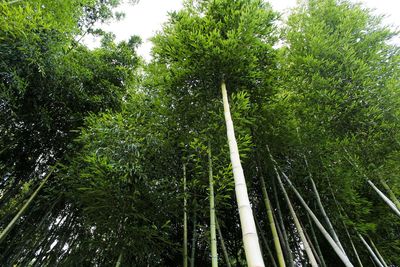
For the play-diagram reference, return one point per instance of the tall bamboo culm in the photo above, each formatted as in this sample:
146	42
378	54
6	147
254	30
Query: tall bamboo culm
250	238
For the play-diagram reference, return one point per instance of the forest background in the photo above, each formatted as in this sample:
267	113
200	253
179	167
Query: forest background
106	159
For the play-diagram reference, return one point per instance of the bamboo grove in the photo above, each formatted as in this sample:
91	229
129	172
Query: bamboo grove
250	139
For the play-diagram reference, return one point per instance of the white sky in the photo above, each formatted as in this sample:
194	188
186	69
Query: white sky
146	18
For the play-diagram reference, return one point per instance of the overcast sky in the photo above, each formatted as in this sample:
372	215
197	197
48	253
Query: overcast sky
146	18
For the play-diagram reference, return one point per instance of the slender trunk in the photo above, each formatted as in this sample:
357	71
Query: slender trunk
317	247
119	261
315	252
321	207
377	253
266	244
333	244
278	249
224	250
24	208
249	232
335	247
282	226
303	238
340	209
351	240
391	194
214	255
373	255
192	256
185	242
323	212
385	198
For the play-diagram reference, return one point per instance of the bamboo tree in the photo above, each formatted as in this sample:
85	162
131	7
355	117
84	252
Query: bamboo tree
264	239
314	251
333	244
185	242
119	261
213	234
384	198
194	236
24	208
282	226
303	238
277	244
224	250
373	255
319	202
249	232
377	252
340	209
317	247
391	194
379	192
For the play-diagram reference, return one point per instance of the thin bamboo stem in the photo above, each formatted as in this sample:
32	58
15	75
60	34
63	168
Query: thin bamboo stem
277	244
377	252
224	250
119	261
384	198
303	238
373	255
317	247
282	226
185	235
214	254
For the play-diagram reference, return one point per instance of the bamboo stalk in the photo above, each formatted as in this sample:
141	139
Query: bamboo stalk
119	261
250	238
185	236
385	198
224	250
214	254
194	236
377	252
24	208
266	244
317	247
277	244
373	255
391	194
306	245
333	244
282	226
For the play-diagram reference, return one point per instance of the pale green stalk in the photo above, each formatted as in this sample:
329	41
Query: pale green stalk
214	254
278	248
224	250
377	253
119	261
303	238
373	255
391	194
333	244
